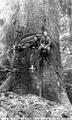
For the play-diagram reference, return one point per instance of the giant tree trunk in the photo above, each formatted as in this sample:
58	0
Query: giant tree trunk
46	79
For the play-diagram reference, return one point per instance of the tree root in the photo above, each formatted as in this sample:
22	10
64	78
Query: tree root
6	85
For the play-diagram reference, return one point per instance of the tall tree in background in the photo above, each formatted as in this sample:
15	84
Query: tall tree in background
38	16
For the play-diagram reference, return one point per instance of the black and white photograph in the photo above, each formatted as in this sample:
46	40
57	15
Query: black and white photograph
35	59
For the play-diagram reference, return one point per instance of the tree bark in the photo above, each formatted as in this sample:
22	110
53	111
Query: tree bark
40	16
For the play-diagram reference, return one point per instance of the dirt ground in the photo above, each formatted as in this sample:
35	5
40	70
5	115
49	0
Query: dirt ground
31	107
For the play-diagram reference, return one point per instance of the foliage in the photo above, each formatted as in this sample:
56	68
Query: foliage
30	107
